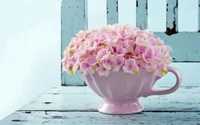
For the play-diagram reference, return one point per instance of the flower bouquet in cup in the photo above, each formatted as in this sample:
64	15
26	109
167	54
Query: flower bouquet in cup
120	63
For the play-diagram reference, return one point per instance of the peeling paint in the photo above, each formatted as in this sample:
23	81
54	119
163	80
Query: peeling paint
141	14
172	15
170	31
112	11
136	3
71	11
17	120
47	102
28	112
60	117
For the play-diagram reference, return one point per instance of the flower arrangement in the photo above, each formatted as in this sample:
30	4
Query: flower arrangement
114	47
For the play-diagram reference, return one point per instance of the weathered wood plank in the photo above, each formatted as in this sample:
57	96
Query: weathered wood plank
112	11
185	46
86	14
172	17
94	118
141	14
185	99
72	20
199	16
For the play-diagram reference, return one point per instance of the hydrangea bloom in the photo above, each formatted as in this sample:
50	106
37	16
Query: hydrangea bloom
114	47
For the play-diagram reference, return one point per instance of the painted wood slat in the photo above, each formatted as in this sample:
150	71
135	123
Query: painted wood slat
141	14
183	100
112	11
94	118
185	46
199	16
72	20
86	14
172	17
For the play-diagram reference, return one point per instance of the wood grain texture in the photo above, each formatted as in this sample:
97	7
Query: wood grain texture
172	17
185	99
95	118
141	14
185	45
78	106
112	11
72	20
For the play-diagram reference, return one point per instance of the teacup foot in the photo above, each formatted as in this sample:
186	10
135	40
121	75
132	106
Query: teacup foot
124	107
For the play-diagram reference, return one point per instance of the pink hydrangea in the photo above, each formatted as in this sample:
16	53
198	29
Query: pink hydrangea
114	47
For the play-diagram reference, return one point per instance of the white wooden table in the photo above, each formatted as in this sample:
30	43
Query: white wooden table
78	106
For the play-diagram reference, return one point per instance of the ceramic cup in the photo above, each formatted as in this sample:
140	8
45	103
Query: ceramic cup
121	91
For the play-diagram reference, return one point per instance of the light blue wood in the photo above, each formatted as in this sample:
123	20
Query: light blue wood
73	20
199	16
172	16
83	99
95	118
78	106
112	11
86	14
141	14
186	46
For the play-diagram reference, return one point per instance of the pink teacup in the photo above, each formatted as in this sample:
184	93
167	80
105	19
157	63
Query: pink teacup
121	90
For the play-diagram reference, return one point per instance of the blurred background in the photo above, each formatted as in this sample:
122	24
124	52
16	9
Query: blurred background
30	41
29	50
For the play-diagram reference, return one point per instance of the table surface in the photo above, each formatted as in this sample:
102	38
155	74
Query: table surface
78	106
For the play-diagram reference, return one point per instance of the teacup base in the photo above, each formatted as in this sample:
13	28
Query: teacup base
120	107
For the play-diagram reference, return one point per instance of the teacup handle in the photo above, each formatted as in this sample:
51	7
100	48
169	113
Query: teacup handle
178	75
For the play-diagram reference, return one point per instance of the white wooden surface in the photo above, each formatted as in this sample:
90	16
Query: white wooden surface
83	99
95	118
78	106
